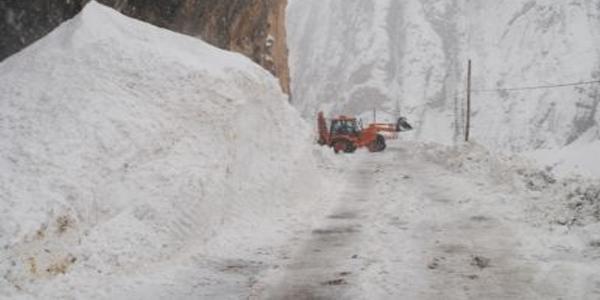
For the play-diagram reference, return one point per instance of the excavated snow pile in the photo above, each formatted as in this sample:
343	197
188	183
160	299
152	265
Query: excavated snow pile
123	144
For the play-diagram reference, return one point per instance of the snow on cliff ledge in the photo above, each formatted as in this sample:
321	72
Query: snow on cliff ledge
122	144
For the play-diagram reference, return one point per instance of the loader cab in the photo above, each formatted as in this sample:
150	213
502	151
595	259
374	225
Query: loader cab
344	126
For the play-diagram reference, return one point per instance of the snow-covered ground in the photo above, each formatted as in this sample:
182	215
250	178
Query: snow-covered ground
576	159
137	163
425	221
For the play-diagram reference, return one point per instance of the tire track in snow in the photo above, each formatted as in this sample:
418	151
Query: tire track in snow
448	239
326	264
406	228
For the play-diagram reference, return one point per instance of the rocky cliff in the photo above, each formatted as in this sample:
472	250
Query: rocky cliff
23	22
255	28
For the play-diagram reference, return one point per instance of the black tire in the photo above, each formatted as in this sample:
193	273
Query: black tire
343	145
339	145
378	144
381	142
350	148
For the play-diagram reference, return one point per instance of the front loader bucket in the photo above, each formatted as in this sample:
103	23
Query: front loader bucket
402	125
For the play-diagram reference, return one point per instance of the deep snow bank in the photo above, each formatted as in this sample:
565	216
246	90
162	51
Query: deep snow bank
122	144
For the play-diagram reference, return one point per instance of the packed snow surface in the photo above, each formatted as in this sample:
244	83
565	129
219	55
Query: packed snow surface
427	221
125	148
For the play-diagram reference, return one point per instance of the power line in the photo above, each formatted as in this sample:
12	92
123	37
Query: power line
538	87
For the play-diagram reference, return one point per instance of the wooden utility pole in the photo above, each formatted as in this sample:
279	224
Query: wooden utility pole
468	127
374	115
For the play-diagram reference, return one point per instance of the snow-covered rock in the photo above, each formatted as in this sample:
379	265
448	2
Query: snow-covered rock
123	144
410	57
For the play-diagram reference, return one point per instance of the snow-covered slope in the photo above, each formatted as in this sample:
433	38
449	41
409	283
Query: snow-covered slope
123	144
575	159
350	56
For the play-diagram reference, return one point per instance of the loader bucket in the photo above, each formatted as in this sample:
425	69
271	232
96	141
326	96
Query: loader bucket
403	125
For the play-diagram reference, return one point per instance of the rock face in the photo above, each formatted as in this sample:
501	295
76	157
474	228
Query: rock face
23	22
255	28
350	56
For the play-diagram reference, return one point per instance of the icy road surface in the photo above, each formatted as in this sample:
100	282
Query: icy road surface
408	228
404	224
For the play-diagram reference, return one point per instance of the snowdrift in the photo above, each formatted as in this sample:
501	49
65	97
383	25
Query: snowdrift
547	199
580	158
122	144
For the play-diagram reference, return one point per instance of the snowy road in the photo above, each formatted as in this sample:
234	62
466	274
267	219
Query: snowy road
408	228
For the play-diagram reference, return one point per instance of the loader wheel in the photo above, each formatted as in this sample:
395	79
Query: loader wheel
339	146
381	142
343	145
378	144
350	148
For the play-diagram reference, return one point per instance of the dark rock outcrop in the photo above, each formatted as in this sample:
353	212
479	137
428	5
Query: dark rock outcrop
23	22
255	28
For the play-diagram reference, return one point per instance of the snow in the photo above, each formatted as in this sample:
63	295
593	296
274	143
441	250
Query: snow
427	221
577	159
129	152
138	163
485	204
410	58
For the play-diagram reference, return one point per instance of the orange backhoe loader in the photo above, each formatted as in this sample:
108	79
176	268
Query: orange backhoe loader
346	134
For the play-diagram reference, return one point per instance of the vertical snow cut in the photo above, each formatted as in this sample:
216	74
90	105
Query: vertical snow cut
125	145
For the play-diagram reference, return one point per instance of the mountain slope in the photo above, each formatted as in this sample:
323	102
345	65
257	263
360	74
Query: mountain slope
410	57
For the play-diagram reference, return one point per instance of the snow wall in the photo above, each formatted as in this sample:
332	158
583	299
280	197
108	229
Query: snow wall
121	144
